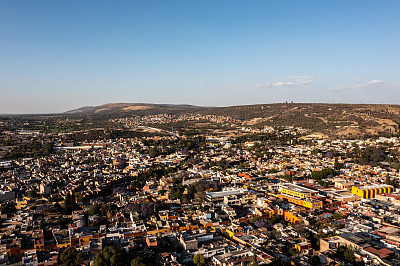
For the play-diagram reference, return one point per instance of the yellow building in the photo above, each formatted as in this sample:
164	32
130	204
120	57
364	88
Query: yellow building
369	191
193	226
39	246
312	203
84	239
21	203
291	217
297	191
302	246
308	203
64	245
162	227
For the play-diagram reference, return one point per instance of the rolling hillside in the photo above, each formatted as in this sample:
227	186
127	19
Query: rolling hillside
114	110
335	120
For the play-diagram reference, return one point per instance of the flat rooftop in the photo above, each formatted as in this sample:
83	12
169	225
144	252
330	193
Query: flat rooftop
225	193
305	199
297	188
389	230
373	186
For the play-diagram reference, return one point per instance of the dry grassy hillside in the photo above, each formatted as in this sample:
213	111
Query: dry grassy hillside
335	120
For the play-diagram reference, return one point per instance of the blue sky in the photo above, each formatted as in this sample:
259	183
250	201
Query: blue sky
60	55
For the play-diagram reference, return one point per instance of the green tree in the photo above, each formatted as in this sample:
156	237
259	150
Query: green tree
162	192
145	260
254	218
338	165
109	210
388	182
69	202
32	194
349	255
314	260
346	253
79	197
109	256
71	257
318	175
198	259
137	262
94	209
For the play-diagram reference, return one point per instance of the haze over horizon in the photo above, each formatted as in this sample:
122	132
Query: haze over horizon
58	56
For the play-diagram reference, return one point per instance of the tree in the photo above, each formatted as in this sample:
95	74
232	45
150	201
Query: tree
73	200
94	209
346	253
185	199
314	260
69	202
32	194
137	262
71	257
349	255
318	175
79	197
254	218
200	196
109	256
387	179
198	259
57	206
144	260
64	222
338	165
162	192
109	210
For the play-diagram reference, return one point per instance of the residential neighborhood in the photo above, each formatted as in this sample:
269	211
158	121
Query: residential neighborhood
203	200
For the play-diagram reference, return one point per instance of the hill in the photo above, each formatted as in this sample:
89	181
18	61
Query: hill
114	110
334	120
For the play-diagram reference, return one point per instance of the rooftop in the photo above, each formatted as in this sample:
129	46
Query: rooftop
297	188
374	186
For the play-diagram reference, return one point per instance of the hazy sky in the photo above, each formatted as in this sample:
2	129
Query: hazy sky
60	55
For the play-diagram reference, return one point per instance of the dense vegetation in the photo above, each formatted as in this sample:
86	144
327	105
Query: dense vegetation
33	149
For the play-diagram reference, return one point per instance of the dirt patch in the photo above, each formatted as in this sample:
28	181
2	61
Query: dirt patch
122	106
134	108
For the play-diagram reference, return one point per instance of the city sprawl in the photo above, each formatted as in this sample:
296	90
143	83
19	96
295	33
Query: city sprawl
194	189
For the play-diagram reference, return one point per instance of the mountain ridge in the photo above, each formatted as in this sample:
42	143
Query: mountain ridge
337	120
108	107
